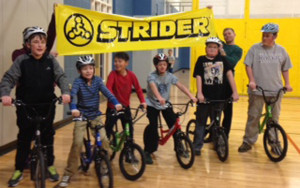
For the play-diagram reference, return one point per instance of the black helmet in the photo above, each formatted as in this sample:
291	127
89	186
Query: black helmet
161	57
85	60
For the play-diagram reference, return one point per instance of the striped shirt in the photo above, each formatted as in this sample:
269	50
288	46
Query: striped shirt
86	98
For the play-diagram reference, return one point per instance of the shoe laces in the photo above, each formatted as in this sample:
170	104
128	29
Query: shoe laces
52	170
65	178
16	174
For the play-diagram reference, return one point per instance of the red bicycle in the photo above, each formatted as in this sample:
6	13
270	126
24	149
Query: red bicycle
183	146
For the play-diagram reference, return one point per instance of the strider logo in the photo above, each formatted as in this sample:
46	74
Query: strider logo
123	31
78	30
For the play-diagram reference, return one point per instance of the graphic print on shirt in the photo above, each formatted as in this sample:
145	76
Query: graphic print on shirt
162	88
213	73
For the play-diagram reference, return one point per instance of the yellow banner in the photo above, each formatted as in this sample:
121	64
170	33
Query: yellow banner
81	31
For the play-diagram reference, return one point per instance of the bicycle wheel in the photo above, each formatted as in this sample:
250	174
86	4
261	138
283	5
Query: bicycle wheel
275	142
132	161
221	144
39	170
190	129
113	145
184	151
103	170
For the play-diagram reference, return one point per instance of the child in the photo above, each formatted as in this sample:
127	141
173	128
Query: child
171	60
120	82
35	72
158	92
85	100
210	71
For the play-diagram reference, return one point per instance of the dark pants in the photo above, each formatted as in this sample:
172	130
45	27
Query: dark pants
151	131
203	112
226	123
111	121
27	132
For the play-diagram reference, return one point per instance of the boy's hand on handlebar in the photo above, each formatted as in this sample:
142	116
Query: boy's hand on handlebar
118	107
144	105
201	98
66	98
252	85
235	96
194	99
288	88
6	101
162	101
75	113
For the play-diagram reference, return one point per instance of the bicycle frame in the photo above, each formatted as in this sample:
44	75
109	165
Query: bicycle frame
170	132
267	116
123	136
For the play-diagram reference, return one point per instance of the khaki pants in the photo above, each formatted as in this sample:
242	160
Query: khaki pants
256	104
78	134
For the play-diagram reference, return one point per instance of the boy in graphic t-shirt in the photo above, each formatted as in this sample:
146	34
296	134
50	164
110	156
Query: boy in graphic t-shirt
211	70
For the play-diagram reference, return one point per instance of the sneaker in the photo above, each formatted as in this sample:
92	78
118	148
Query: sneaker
148	159
52	174
15	179
197	152
64	181
244	147
130	158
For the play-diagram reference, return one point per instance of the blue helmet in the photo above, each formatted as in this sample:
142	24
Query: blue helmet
270	28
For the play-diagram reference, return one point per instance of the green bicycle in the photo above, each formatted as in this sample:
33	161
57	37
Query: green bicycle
275	139
132	158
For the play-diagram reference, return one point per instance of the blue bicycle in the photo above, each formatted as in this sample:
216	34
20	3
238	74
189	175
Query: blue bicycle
96	153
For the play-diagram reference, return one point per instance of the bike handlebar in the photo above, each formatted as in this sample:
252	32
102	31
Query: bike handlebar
20	103
229	100
284	90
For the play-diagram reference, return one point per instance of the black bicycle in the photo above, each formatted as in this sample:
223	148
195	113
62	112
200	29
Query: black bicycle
217	132
132	158
95	153
38	157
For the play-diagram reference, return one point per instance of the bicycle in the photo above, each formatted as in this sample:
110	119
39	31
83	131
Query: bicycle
95	153
183	146
275	138
38	159
217	132
132	158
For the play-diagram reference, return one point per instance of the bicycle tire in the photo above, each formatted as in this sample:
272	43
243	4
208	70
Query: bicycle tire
113	145
184	151
40	171
103	169
221	144
280	143
132	161
190	129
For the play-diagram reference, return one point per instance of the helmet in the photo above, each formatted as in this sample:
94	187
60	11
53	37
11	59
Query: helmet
32	30
215	40
84	60
270	28
160	57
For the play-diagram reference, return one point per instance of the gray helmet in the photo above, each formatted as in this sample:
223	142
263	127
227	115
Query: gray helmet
29	31
85	60
270	28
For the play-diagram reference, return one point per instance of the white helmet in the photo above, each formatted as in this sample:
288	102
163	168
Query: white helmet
85	60
32	30
215	40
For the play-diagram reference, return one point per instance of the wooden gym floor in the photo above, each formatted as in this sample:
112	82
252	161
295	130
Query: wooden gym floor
251	169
